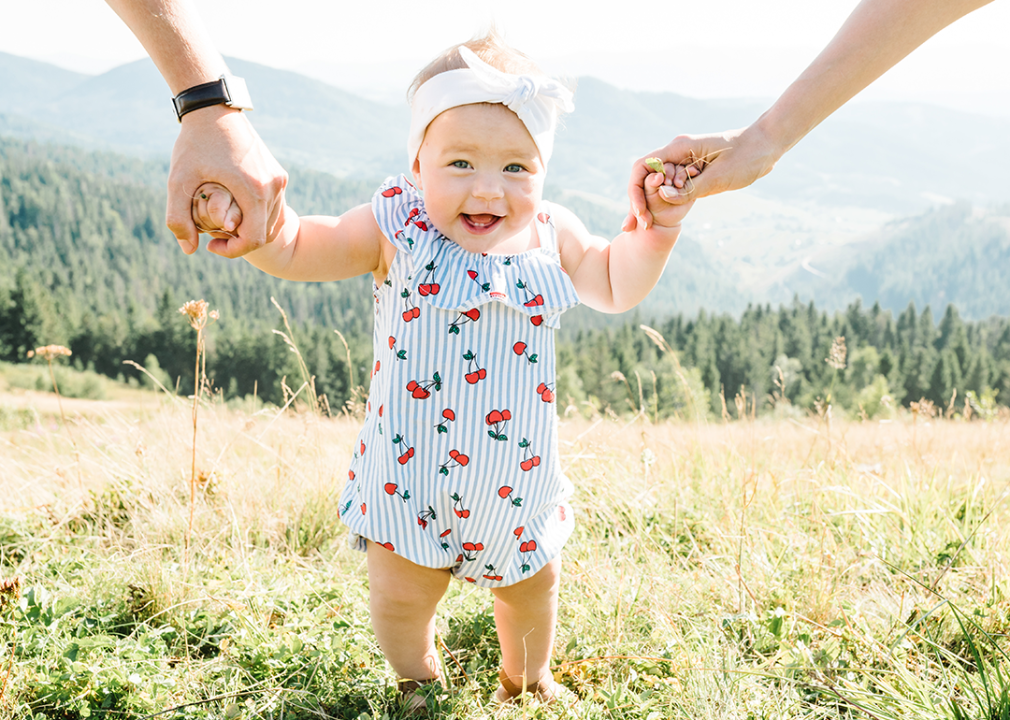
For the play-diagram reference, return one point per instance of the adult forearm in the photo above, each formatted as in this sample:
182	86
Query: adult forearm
875	37
174	36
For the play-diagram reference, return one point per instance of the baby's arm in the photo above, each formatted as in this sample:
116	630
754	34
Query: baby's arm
311	249
614	277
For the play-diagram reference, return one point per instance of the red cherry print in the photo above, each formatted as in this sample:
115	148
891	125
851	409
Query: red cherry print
469	547
519	348
540	388
412	385
504	491
518	531
391	192
423	289
350	474
524	547
526	465
387	545
465	514
420	393
390	488
416	312
362	447
459	559
421	224
472	378
542	217
535	460
532	546
506	415
481	374
469	579
473	314
448	414
537	320
408	316
462	459
494	417
380	410
434	288
364	507
445	533
561	513
376	367
454	454
547	396
410	452
392	342
472	274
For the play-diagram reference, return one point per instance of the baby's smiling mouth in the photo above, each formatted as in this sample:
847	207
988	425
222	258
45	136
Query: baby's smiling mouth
480	223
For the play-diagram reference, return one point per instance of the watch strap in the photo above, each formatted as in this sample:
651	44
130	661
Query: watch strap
216	92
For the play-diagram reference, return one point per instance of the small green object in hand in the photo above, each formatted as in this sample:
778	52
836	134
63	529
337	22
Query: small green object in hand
655	164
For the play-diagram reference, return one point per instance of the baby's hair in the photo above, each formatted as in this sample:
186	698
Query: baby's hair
491	48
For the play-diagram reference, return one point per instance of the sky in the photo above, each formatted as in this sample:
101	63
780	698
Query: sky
705	48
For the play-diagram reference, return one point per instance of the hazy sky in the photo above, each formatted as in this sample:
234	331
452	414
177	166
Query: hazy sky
706	48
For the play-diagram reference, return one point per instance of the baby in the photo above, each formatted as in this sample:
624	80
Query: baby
455	472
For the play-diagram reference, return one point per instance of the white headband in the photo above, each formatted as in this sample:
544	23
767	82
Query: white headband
537	99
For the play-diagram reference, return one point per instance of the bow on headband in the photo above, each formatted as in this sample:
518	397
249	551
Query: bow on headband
537	99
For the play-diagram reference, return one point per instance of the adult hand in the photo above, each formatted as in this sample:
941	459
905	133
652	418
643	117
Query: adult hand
218	144
727	161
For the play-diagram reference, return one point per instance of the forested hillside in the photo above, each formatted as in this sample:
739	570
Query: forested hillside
87	263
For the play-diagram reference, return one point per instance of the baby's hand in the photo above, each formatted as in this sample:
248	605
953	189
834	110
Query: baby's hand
663	213
215	211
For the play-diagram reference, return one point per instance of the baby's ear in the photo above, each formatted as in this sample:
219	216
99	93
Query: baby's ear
416	171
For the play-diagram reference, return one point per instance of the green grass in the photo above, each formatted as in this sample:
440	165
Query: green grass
753	570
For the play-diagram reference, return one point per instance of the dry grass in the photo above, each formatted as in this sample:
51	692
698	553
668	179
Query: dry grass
756	569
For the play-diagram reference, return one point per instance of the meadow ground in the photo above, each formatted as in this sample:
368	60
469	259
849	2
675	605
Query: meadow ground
754	569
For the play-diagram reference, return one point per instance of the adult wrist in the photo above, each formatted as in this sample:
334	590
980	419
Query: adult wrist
227	90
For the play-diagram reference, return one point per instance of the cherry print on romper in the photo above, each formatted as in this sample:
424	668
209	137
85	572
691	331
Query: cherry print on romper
475	276
387	545
529	460
345	508
470	547
392	192
457	507
491	573
526	548
532	300
471	315
546	393
414	216
400	354
448	416
376	370
442	538
422	390
426	287
544	218
504	491
410	243
392	488
561	513
456	459
410	310
498	420
425	516
521	348
537	320
407	451
475	373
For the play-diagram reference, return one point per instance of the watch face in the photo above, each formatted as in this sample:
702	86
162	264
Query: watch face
238	93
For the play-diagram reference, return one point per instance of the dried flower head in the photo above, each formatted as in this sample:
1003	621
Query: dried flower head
49	352
10	590
196	311
924	408
836	356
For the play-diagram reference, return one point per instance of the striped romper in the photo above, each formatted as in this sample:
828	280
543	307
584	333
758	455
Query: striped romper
457	464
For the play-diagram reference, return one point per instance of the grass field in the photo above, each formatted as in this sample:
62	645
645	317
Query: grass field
754	569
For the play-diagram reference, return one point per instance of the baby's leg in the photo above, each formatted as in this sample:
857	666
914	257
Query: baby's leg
403	597
525	615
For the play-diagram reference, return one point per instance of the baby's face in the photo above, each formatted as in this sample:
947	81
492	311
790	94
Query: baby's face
482	178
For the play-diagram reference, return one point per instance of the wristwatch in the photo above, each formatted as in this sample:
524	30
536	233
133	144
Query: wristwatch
226	90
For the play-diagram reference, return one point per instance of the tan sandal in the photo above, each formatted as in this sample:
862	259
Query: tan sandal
546	692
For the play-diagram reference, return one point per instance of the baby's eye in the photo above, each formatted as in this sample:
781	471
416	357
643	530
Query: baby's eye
514	168
461	164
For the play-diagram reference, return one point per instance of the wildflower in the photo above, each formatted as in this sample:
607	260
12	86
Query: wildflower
836	356
10	590
924	408
49	352
196	311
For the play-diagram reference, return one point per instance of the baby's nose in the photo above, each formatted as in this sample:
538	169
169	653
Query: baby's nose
488	186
